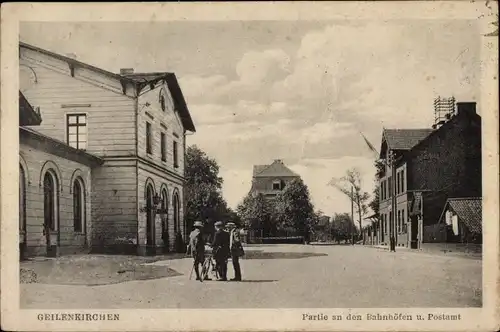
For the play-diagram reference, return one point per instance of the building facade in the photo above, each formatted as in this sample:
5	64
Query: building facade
54	183
394	186
136	124
425	167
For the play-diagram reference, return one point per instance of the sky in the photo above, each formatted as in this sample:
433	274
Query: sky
300	91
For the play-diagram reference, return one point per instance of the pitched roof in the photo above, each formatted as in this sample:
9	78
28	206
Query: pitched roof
276	169
60	148
258	168
468	210
27	115
138	80
404	139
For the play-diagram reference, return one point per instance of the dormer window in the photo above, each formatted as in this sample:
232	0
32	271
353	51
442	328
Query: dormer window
277	185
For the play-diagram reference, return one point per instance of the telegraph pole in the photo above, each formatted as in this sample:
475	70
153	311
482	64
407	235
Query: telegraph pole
392	222
352	215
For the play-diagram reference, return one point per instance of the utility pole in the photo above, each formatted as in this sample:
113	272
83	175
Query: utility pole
352	215
392	223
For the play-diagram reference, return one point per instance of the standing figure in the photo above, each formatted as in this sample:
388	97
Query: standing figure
236	249
220	247
197	247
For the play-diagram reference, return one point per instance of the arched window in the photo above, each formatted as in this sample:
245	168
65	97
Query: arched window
164	216
50	197
164	204
176	213
78	205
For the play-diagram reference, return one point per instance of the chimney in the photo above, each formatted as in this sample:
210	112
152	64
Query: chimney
466	108
126	71
278	161
71	55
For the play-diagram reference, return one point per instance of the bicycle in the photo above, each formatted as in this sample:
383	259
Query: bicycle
209	264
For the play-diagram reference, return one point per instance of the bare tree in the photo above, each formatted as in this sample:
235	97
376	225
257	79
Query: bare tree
352	180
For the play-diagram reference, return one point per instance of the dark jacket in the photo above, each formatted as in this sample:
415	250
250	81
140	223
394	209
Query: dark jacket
220	244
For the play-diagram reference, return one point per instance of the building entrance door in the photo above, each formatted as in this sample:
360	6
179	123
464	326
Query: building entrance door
414	232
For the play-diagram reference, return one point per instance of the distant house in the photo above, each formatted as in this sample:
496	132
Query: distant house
125	136
425	167
269	180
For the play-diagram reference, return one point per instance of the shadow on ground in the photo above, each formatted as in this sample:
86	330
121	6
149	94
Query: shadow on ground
92	270
259	254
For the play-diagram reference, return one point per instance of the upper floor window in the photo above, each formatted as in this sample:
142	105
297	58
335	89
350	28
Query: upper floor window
277	185
149	138
398	185
77	131
176	155
163	147
403	181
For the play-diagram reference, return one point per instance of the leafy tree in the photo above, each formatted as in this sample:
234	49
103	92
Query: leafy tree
293	208
350	185
203	188
342	227
374	203
320	226
255	213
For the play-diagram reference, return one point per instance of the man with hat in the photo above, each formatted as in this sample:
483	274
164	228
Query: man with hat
236	249
220	247
197	246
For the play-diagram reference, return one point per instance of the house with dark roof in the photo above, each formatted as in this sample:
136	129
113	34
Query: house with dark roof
461	220
136	124
269	180
423	168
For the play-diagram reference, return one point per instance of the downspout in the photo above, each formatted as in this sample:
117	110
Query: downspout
136	133
184	204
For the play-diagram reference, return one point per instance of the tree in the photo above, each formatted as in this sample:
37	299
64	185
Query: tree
293	208
203	188
374	203
255	213
350	185
342	227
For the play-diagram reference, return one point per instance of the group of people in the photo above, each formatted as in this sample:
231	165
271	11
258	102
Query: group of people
226	243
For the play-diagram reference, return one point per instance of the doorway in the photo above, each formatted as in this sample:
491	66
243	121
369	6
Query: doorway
414	232
150	223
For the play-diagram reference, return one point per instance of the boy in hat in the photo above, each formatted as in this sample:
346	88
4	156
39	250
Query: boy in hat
236	249
221	250
197	246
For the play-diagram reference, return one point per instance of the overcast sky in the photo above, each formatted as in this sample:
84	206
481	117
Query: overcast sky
298	91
